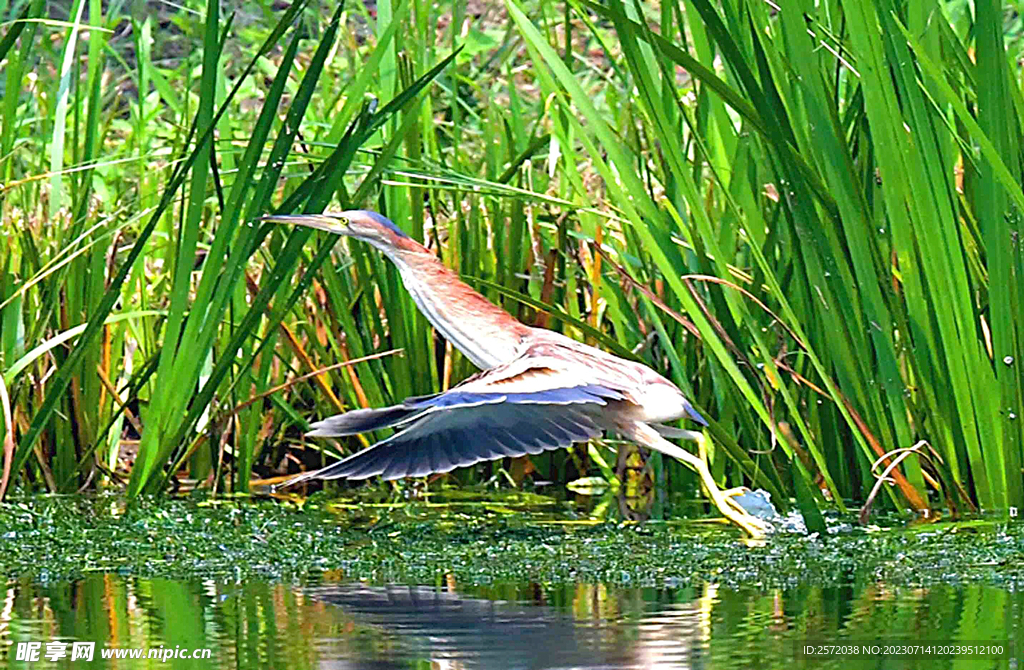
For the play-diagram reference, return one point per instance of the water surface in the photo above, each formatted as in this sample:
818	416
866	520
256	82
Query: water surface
333	623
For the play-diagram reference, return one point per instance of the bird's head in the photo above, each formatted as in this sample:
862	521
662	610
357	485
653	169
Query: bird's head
361	224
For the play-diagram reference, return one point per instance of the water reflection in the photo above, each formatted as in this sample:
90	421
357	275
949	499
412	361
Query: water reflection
334	624
455	631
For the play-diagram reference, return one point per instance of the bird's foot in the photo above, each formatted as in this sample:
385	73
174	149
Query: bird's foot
736	492
755	528
643	434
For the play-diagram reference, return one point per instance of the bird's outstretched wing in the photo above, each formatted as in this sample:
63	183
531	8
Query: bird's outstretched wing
510	410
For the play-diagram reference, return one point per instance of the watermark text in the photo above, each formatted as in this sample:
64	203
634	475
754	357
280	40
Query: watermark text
30	652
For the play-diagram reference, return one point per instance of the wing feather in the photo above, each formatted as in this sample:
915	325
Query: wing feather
371	467
364	420
361	421
463	454
435	457
553	434
555	393
491	444
417	462
443	440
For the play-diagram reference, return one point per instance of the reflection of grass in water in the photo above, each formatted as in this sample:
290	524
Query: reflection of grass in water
255	623
59	538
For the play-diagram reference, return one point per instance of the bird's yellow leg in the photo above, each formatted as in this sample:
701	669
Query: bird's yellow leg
723	500
728	494
730	509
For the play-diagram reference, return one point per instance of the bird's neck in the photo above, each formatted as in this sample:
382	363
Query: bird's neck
486	334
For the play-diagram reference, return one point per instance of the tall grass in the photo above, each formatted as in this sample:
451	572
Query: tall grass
821	158
797	214
201	286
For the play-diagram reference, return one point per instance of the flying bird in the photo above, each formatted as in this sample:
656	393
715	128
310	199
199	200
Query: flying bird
537	390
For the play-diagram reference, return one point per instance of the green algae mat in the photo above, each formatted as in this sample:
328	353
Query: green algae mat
65	538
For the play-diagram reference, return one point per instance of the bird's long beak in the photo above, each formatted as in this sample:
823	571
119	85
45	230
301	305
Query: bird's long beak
331	223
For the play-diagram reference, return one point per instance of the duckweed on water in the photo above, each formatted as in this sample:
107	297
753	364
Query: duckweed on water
61	538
